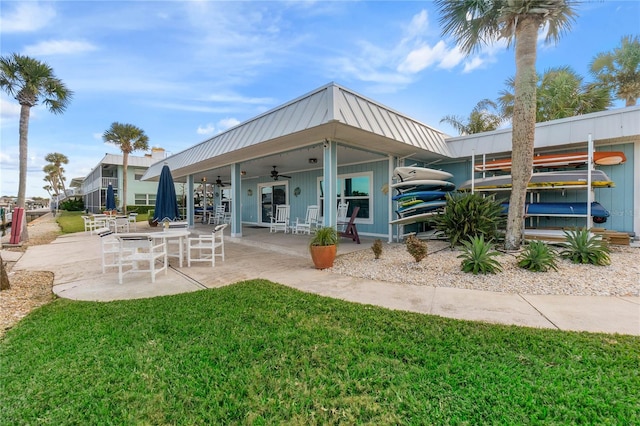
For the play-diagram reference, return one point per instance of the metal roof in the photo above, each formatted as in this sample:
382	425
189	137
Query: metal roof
330	112
606	127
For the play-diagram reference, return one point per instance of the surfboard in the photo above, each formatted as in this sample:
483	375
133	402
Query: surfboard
422	207
419	173
602	158
562	209
420	195
545	180
424	185
412	218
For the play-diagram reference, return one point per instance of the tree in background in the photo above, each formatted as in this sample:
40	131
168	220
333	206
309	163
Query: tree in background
31	81
483	118
475	22
52	178
619	70
560	93
56	160
128	138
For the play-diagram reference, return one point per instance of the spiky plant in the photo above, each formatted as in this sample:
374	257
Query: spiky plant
377	248
470	215
478	257
537	257
584	247
417	248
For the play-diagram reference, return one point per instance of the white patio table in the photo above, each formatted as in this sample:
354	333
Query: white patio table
179	234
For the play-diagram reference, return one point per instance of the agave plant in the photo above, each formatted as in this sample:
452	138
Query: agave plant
469	215
584	247
478	258
537	257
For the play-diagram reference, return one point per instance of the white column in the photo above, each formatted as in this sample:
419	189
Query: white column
236	197
330	178
190	207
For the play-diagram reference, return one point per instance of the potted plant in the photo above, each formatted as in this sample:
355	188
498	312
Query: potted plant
323	247
152	222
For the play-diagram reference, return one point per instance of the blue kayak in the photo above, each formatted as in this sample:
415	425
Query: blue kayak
568	209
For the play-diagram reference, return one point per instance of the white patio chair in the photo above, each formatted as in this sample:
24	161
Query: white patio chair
341	218
140	254
110	248
205	248
281	220
120	224
217	217
311	219
89	224
133	220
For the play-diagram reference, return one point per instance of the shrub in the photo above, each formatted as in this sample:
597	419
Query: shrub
377	248
477	257
417	248
537	257
470	215
72	205
583	247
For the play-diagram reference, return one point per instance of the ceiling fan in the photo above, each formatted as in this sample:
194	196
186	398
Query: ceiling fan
275	175
219	182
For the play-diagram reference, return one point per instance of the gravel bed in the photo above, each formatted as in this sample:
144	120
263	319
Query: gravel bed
442	269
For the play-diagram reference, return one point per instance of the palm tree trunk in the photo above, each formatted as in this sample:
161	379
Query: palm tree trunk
524	122
24	137
125	165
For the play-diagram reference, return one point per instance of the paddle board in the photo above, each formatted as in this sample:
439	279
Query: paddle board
602	158
420	195
412	219
424	185
419	173
422	207
545	179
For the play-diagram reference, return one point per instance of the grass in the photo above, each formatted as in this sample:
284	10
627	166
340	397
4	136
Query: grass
260	353
71	222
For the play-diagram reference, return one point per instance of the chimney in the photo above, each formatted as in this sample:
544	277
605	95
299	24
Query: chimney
157	153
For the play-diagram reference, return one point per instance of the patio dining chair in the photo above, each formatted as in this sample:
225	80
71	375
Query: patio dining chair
205	248
311	219
281	220
110	249
140	254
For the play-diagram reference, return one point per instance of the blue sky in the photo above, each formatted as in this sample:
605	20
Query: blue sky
184	71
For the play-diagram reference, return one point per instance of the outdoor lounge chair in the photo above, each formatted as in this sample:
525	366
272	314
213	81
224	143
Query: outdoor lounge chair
342	213
350	230
205	248
310	220
281	221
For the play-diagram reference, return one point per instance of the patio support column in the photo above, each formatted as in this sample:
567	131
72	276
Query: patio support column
392	162
190	207
236	206
330	174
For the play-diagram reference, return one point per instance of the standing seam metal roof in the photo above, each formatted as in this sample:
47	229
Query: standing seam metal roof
327	104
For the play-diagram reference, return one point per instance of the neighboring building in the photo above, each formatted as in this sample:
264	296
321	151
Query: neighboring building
93	187
334	144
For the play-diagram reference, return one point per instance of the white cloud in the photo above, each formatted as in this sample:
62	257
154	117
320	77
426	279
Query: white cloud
227	123
59	47
9	112
235	98
25	17
423	57
209	129
419	23
475	62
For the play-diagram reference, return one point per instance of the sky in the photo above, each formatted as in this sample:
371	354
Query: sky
184	71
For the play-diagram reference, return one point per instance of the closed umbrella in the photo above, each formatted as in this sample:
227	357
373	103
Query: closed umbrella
111	199
166	202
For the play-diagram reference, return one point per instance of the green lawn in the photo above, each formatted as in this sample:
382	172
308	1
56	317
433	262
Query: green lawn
260	353
71	222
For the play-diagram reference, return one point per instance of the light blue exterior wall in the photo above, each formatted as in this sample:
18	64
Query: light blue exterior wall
617	200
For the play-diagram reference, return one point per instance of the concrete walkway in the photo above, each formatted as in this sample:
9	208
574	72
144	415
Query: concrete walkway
75	259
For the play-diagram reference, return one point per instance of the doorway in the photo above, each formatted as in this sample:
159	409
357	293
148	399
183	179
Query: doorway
271	196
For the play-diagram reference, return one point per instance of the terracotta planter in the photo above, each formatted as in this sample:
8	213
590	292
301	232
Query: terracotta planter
323	256
153	223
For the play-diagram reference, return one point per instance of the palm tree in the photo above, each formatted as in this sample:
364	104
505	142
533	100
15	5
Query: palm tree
560	93
619	70
57	160
475	22
31	81
480	120
52	178
128	138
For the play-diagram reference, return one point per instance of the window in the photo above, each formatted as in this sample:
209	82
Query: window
145	199
355	189
138	176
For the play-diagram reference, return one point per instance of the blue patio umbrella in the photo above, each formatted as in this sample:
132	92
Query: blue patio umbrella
111	199
166	202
